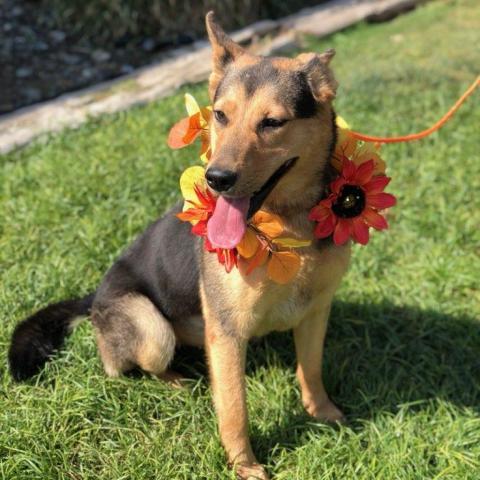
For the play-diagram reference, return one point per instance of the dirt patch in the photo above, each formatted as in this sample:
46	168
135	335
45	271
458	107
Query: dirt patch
41	57
40	62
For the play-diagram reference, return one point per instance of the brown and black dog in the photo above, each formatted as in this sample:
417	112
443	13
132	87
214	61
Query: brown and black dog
275	133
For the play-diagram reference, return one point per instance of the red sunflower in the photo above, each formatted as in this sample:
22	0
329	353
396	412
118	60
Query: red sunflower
353	205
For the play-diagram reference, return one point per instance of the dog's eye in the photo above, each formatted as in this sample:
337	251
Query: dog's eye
272	123
220	117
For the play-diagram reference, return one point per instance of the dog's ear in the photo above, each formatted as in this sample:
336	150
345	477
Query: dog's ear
319	75
224	50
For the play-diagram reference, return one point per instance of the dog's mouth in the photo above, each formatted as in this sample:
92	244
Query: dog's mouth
228	224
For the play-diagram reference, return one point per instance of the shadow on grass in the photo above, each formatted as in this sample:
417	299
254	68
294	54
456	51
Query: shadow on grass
378	358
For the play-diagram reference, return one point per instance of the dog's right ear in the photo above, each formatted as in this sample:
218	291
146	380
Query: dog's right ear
319	76
224	50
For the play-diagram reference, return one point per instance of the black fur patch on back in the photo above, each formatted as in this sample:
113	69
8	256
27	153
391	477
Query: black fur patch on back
162	265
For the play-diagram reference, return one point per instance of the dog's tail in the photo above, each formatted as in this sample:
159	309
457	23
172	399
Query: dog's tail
38	337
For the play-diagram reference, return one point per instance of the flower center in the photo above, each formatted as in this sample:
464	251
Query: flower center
350	203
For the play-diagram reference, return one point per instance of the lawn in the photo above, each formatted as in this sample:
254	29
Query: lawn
403	348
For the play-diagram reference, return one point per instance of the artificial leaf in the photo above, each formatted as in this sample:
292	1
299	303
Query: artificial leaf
190	177
292	242
177	133
369	152
205	115
283	266
258	259
228	258
269	223
192	215
191	105
248	244
341	123
194	129
185	131
205	150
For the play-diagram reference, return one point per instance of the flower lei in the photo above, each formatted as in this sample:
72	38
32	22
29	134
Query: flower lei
354	203
351	207
262	244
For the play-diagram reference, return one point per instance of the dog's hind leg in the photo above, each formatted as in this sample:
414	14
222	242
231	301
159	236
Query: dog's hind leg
131	332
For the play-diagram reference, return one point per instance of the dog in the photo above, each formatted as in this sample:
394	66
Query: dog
166	290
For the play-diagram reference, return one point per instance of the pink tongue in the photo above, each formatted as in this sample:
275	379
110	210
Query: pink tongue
227	225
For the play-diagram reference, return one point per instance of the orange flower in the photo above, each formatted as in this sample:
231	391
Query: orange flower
262	244
196	125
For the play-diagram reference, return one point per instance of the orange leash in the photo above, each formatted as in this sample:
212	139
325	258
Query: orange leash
423	133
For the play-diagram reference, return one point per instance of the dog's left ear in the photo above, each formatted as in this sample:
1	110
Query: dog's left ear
319	75
224	50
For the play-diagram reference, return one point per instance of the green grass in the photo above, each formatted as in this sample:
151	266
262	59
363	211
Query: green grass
403	349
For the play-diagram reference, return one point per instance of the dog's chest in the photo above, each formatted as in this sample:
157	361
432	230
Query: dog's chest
282	307
253	305
278	311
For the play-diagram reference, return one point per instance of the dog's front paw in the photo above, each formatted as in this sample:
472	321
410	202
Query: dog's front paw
324	410
253	471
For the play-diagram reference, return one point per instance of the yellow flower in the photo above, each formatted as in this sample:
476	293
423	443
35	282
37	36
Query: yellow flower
191	177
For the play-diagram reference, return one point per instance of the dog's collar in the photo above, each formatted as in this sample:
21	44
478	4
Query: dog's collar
349	206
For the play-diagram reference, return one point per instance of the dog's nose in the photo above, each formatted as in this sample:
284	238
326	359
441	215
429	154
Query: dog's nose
220	180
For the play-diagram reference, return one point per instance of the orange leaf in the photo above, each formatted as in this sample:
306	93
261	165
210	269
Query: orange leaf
184	132
192	214
177	132
257	260
248	244
283	266
194	129
269	223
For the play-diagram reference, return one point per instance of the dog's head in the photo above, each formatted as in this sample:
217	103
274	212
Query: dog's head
273	125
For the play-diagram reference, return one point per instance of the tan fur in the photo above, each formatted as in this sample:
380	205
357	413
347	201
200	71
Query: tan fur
132	332
238	307
227	363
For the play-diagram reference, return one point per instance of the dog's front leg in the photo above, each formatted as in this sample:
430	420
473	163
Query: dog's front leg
226	354
309	339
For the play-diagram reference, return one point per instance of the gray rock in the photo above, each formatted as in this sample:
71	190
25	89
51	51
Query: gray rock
57	36
149	44
100	56
88	72
124	69
7	27
40	46
23	72
69	58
